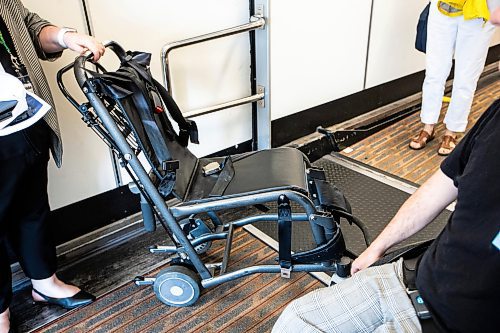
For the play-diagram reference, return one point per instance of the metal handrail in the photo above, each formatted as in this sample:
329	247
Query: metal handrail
250	99
256	22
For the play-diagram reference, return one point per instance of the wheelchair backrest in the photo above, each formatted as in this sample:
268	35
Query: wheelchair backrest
144	105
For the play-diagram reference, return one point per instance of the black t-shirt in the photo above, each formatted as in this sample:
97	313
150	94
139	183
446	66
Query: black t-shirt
459	276
35	138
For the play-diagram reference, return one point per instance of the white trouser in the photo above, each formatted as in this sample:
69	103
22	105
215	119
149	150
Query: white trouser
468	41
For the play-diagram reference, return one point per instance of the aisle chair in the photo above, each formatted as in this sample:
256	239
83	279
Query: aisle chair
132	113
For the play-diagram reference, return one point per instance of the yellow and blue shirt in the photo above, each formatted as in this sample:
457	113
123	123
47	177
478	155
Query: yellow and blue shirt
470	9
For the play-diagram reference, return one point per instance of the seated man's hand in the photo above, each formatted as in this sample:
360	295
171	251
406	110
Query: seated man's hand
81	43
364	260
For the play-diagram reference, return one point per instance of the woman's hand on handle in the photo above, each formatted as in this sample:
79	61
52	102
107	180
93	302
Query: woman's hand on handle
54	39
80	43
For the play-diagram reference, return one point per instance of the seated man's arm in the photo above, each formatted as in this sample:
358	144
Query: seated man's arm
418	211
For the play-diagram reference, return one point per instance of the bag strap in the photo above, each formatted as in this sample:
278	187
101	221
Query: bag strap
131	93
188	130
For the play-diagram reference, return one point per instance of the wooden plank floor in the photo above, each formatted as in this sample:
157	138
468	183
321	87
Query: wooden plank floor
250	304
388	149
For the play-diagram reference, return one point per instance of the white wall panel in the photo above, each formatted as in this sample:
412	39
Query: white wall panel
87	168
392	51
204	74
318	52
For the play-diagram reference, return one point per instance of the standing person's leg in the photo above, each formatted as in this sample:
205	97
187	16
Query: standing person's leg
441	36
473	40
12	168
373	300
30	235
5	288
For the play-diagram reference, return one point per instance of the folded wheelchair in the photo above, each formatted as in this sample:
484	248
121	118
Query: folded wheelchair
132	113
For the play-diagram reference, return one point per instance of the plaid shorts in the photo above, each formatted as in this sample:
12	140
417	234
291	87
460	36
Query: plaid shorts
373	300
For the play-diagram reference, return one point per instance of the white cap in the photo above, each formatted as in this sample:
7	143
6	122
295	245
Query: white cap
11	89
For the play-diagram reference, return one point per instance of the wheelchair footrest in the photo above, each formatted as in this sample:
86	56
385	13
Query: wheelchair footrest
163	249
144	281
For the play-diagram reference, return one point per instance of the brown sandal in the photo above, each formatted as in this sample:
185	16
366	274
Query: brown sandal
422	139
447	145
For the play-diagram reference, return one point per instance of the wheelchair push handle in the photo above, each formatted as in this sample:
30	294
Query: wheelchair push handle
78	67
79	64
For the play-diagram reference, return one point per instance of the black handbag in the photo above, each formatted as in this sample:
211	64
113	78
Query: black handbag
421	40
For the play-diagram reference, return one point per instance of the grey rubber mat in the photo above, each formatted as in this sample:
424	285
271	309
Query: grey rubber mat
372	201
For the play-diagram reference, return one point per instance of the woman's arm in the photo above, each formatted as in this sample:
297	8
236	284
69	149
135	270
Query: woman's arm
75	41
418	211
45	38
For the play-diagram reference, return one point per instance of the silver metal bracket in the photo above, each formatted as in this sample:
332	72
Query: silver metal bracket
286	272
144	281
261	102
259	11
211	168
163	249
323	219
213	267
133	188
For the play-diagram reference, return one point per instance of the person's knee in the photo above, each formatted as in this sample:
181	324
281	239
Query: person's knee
289	320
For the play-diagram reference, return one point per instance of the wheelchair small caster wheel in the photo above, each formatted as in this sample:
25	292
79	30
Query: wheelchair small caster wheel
194	228
177	286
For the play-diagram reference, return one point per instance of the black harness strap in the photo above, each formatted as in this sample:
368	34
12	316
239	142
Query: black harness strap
225	177
187	128
285	235
140	61
143	101
138	100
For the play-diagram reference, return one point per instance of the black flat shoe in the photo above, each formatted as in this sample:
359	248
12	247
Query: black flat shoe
79	299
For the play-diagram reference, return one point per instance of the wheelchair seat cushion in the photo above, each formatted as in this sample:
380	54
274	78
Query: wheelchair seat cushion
255	172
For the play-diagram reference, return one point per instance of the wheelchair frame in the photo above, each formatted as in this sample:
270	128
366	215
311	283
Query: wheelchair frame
182	279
